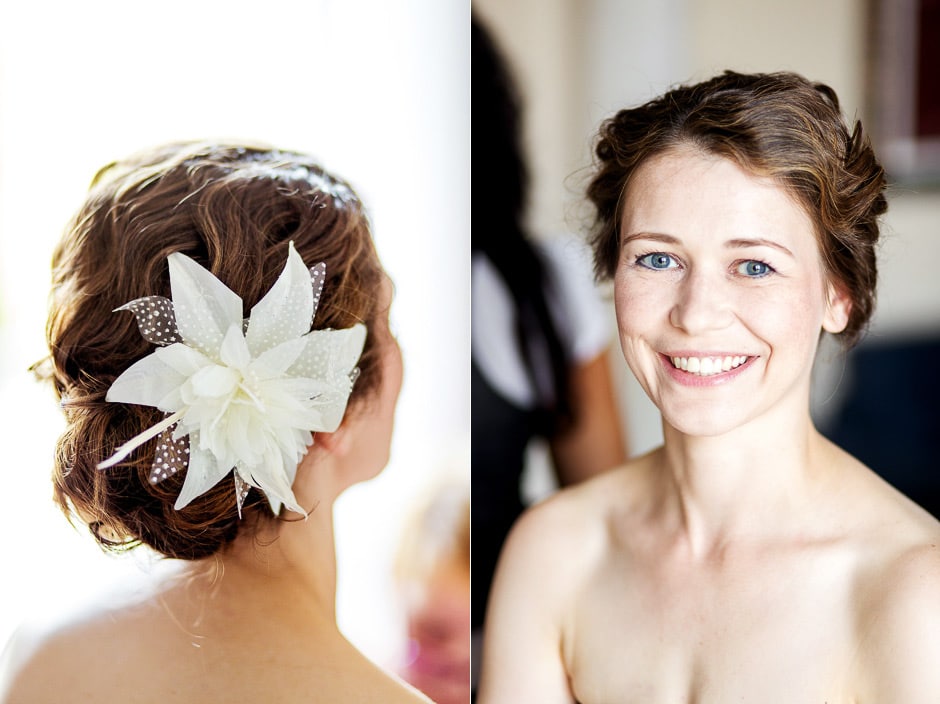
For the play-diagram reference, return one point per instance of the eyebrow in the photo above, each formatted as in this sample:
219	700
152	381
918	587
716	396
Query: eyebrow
757	242
739	243
654	236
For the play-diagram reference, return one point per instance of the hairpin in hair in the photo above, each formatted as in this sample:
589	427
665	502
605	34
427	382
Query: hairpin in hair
242	395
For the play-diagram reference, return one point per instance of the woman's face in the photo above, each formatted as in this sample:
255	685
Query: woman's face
720	292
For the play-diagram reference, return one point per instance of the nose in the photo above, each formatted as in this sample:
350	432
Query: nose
702	304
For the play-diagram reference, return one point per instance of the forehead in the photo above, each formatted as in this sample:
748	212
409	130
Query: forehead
685	192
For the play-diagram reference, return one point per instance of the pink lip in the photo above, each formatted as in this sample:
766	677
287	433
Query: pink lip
687	379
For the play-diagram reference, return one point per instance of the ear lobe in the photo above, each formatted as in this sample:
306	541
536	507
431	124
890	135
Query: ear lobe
838	308
336	443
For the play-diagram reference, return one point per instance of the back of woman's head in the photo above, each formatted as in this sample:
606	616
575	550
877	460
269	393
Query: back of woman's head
776	125
233	209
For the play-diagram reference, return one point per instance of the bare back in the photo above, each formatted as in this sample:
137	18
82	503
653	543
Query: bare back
173	647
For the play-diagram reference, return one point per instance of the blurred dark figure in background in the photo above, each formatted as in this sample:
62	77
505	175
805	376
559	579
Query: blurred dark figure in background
540	335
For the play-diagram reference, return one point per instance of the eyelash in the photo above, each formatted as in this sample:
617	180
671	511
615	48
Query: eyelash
639	260
737	265
769	269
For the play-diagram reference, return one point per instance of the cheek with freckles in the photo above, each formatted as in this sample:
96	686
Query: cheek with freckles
641	311
791	320
781	319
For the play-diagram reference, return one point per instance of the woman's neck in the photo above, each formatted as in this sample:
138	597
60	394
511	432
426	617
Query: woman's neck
281	576
742	484
291	564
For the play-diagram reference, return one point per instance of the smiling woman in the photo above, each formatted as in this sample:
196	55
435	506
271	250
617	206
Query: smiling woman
738	277
748	558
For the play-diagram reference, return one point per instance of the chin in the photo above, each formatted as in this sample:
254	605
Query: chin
706	423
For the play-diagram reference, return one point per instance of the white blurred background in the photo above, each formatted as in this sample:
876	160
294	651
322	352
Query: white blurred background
378	90
579	61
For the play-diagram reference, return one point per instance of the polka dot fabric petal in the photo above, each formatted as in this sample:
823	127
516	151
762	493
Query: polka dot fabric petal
241	491
317	277
156	319
170	456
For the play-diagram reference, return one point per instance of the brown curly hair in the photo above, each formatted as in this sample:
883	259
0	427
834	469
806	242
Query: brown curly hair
233	208
777	125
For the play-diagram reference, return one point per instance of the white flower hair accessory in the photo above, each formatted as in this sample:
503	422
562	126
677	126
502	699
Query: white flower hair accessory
242	395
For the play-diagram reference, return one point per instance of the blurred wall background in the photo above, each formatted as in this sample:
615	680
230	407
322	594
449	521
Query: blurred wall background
376	90
578	61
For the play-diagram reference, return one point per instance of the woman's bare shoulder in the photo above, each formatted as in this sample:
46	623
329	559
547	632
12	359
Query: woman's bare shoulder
138	653
898	541
573	525
899	626
873	512
372	685
80	646
28	666
902	554
40	666
897	590
47	657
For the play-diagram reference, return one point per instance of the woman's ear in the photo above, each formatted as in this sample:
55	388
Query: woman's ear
336	443
339	442
838	308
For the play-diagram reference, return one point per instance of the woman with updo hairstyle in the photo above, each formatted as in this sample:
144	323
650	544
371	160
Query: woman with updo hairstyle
263	419
747	558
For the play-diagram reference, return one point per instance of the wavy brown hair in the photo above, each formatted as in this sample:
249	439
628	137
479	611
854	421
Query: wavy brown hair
233	208
777	125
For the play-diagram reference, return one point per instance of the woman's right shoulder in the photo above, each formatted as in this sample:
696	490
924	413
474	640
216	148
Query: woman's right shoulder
77	648
575	523
552	552
38	659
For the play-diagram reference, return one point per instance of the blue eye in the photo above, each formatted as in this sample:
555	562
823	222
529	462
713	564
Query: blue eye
657	261
754	269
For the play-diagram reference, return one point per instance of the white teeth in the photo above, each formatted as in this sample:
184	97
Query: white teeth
707	366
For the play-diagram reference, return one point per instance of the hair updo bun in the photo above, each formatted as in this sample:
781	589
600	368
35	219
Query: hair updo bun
233	209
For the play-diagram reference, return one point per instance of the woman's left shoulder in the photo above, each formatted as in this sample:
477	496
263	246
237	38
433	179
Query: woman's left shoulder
911	579
891	524
898	613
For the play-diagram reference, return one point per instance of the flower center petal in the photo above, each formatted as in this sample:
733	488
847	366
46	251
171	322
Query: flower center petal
234	350
214	381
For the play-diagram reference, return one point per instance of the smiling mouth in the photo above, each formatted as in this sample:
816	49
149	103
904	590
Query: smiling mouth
708	366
